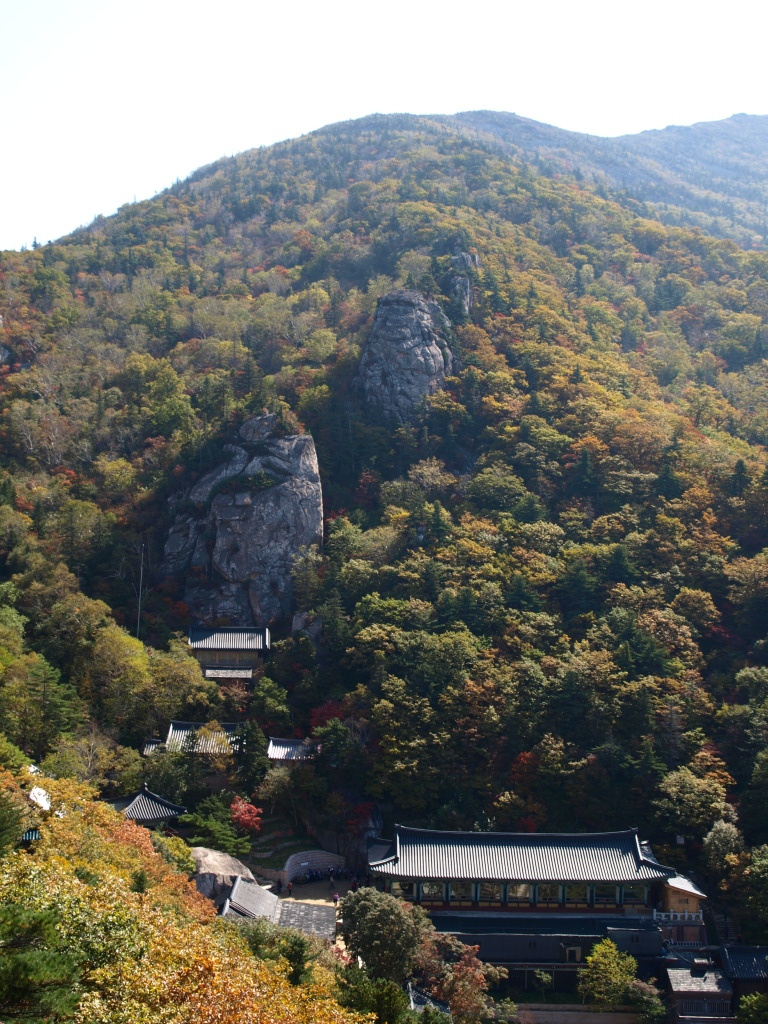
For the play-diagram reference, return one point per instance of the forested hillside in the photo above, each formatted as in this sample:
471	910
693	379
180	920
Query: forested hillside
543	599
713	175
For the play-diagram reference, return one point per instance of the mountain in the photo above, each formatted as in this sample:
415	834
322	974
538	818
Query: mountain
540	418
712	174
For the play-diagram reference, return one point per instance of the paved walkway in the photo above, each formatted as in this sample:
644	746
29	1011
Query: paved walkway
316	892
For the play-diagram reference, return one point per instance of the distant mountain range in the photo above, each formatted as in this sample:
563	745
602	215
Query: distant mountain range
713	174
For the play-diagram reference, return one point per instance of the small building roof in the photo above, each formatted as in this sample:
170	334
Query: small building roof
228	673
240	638
251	900
313	918
745	963
710	980
148	806
683	884
180	737
610	857
291	749
41	797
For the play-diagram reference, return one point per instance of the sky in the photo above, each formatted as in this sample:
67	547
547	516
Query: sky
104	102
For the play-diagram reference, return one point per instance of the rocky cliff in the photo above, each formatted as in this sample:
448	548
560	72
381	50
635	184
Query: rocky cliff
460	283
407	356
243	525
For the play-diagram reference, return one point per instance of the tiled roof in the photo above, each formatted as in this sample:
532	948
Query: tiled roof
290	750
683	884
517	856
748	963
687	979
243	638
249	899
223	742
313	918
229	673
148	806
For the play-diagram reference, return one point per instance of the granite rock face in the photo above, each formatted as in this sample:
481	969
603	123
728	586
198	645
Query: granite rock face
216	872
236	550
460	284
407	356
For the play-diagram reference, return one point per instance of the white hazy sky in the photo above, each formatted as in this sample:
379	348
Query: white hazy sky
103	101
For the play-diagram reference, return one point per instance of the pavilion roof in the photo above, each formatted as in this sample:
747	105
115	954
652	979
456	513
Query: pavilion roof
221	741
149	806
745	962
234	638
597	857
291	749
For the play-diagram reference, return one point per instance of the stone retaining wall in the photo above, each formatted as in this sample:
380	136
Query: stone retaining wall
298	864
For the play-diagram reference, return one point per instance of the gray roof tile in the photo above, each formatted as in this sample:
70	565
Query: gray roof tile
148	806
313	918
224	742
290	750
249	899
687	979
748	963
243	638
518	856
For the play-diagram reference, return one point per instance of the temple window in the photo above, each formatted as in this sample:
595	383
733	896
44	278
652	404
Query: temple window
432	892
519	892
606	894
489	893
547	893
634	894
462	892
404	890
577	895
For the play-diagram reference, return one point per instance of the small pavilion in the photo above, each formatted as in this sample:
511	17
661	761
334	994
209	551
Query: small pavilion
148	808
231	653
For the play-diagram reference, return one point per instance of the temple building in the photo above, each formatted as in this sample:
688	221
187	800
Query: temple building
529	898
289	751
198	738
231	653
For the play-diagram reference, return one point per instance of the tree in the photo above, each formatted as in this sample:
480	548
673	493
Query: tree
251	755
753	1009
607	975
36	706
383	931
378	996
722	840
38	971
214	827
93	757
688	804
119	672
245	816
11	758
11	822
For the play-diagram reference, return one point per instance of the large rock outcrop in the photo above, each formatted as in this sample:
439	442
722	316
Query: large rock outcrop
215	872
253	514
460	283
407	356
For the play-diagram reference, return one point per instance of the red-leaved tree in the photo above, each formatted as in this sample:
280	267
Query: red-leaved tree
245	816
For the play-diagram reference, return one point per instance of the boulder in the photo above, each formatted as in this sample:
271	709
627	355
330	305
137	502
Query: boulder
407	356
237	550
215	872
